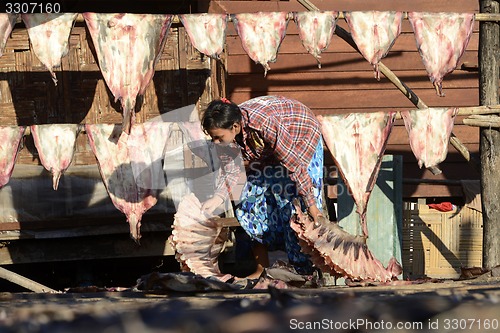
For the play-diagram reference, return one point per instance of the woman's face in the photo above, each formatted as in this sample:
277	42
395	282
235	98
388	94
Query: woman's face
224	136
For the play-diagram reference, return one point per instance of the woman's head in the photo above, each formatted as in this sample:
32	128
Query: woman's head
222	121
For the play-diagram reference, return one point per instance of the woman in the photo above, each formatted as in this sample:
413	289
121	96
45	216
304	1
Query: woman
281	140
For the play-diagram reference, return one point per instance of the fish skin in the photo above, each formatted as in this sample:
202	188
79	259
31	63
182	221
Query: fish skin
128	47
442	39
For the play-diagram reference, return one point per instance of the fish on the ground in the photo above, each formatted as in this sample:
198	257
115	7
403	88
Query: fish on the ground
282	275
181	282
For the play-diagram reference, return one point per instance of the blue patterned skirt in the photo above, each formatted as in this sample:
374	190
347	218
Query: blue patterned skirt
266	207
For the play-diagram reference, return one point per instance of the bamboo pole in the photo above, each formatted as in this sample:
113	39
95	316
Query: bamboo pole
484	17
480	17
483	121
479	110
24	282
346	36
470	111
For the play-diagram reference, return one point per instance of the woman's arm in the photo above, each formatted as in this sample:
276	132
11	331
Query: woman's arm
231	166
315	212
291	156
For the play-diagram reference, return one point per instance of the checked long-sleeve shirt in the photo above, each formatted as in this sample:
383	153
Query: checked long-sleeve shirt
275	129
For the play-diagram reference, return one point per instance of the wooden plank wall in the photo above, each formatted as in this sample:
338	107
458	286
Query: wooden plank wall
345	82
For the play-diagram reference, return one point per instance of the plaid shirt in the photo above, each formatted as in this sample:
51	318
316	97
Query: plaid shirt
275	130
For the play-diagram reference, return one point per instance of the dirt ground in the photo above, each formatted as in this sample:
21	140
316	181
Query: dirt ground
439	306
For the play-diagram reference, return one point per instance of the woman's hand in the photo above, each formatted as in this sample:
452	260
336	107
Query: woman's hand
209	206
315	213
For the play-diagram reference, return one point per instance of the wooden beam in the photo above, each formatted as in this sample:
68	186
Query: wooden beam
471	111
483	121
84	248
480	17
229	222
412	190
432	181
485	17
489	138
19	230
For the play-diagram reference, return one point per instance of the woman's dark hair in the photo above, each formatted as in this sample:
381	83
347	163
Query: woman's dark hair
220	114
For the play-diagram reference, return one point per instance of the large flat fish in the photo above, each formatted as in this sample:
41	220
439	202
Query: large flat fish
374	33
441	40
7	22
339	253
207	32
127	47
197	239
429	131
131	166
357	143
11	138
261	35
316	30
49	36
55	144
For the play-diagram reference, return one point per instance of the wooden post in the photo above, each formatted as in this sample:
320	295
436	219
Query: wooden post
489	51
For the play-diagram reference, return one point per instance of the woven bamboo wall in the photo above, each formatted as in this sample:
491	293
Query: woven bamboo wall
437	244
28	95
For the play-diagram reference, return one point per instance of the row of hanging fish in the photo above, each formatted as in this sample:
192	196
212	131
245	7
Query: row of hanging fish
128	45
132	172
358	141
441	38
127	48
130	164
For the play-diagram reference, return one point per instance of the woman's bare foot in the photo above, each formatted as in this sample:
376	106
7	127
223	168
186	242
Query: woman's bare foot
260	253
254	275
257	273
